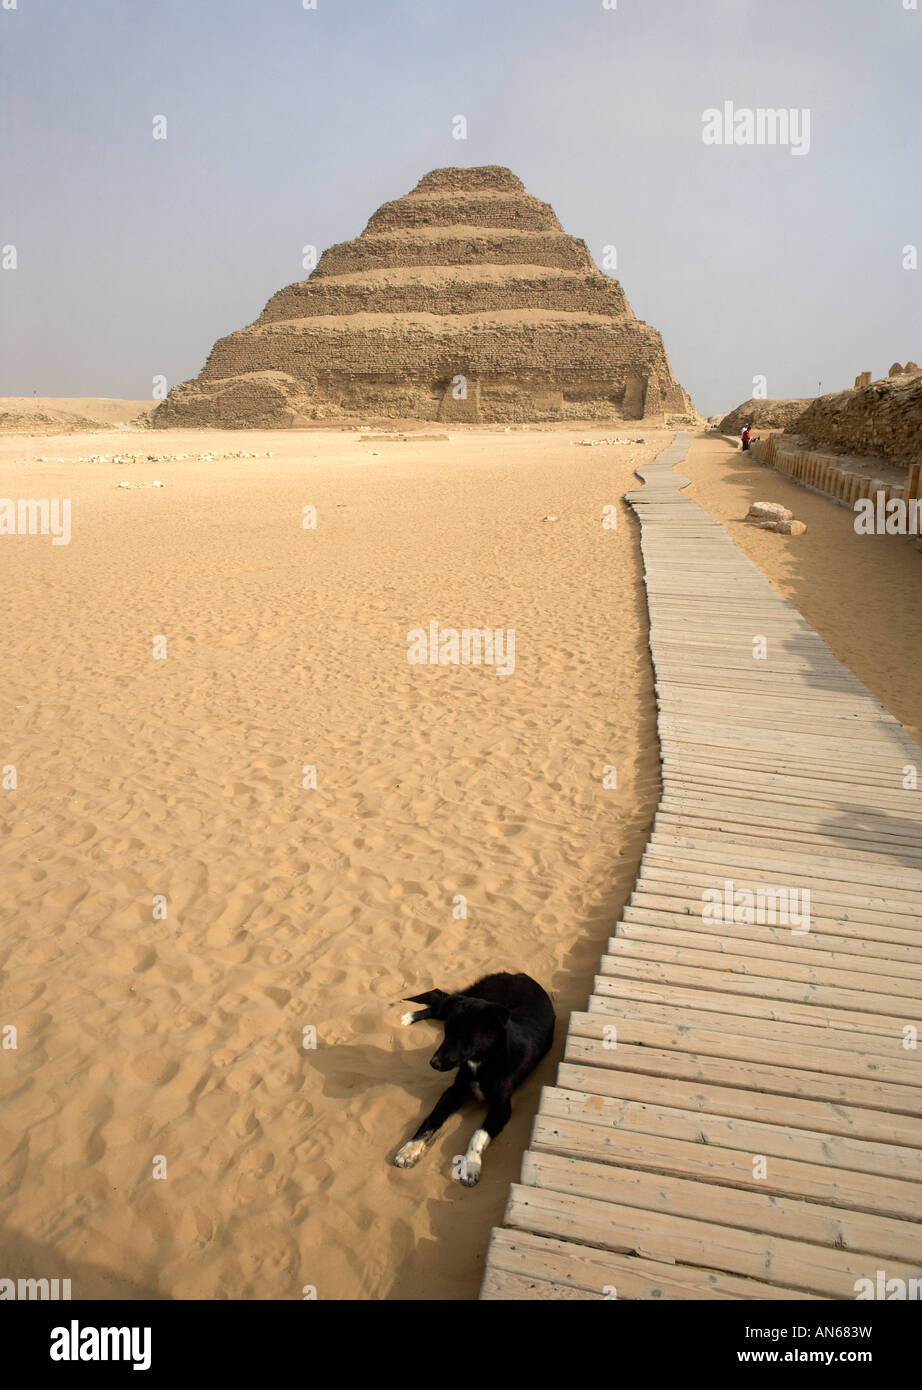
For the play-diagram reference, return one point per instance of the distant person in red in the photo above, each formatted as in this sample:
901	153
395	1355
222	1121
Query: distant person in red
745	436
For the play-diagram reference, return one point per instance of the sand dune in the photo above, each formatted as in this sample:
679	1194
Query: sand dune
290	908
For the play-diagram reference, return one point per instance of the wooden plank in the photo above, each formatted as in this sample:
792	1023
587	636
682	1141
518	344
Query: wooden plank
778	1079
773	1108
892	840
847	937
707	849
666	896
729	1167
893	1013
775	943
638	984
769	965
699	1012
524	1266
747	1210
815	1049
790	1264
691	1121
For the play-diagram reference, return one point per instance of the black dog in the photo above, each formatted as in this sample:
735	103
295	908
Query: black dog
496	1032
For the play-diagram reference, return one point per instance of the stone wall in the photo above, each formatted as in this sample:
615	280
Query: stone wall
883	419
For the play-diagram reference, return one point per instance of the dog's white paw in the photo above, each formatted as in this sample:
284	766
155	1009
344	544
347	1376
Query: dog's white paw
469	1174
469	1169
411	1153
406	1019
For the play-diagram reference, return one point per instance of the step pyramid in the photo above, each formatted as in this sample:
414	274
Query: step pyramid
464	300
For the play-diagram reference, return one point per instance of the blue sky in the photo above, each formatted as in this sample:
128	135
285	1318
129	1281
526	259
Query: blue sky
289	126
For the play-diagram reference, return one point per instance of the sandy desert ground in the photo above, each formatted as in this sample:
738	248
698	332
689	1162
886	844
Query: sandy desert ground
289	908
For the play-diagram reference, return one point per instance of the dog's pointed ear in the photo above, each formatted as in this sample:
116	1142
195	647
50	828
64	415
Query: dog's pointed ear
434	999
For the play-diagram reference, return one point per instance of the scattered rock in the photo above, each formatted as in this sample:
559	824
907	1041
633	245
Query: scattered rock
770	512
159	458
771	516
403	438
587	442
550	518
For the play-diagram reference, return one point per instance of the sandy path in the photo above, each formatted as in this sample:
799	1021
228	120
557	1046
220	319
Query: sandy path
863	594
289	908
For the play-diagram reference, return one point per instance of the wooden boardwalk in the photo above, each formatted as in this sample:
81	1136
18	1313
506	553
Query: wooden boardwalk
738	1111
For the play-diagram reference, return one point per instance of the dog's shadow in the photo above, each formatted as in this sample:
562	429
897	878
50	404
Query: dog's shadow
350	1070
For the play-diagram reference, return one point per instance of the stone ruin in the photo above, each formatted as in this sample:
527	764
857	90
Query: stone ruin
762	413
463	301
864	378
879	418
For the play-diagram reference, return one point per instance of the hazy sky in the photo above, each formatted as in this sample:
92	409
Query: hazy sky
289	126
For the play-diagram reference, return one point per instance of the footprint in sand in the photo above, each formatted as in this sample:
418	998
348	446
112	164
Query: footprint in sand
278	996
153	1069
245	1123
243	1079
195	1228
78	835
